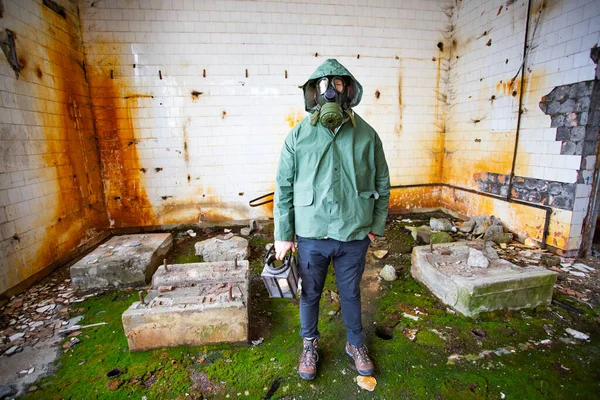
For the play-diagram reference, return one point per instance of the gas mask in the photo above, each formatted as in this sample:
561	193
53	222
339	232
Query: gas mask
331	96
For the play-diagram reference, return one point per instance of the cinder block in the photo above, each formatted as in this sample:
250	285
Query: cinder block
472	290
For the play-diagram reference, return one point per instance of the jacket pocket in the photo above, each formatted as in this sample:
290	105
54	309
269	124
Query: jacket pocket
303	198
370	194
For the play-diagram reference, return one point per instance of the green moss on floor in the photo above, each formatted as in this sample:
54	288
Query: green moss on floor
405	368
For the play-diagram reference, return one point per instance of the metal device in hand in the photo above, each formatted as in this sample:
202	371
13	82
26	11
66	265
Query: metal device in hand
280	277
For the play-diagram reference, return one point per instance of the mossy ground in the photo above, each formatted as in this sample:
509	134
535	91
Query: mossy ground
406	369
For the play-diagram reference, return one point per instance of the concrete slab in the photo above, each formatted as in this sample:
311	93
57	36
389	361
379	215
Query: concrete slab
223	248
471	290
123	261
191	304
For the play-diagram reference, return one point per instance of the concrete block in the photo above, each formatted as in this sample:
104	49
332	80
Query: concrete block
502	285
223	248
123	261
191	304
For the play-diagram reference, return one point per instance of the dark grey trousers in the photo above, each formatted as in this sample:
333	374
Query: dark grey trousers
314	257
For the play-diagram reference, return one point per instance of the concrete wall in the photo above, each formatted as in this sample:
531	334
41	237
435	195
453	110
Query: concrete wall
173	157
485	98
51	199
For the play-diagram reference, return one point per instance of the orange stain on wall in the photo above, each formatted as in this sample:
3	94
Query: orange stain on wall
70	146
294	117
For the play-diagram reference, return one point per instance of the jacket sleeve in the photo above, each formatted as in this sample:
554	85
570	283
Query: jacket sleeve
283	209
382	186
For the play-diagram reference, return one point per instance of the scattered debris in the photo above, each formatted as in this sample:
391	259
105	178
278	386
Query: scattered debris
411	334
257	342
191	232
440	224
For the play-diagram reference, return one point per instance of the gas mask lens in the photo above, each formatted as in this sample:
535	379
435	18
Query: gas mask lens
336	83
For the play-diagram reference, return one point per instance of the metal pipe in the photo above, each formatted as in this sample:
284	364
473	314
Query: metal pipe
520	113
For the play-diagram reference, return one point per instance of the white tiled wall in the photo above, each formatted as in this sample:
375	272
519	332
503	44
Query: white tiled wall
50	189
235	130
561	35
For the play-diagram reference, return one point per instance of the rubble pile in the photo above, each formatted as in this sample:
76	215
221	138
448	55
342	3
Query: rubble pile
442	230
36	314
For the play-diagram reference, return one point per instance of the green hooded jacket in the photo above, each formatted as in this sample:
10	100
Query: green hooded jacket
331	184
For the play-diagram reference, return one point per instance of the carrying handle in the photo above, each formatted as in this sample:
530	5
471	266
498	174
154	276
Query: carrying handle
270	259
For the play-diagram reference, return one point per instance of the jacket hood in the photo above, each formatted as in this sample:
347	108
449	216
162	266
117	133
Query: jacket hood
331	67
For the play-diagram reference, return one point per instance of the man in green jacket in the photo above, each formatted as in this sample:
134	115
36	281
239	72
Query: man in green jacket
333	192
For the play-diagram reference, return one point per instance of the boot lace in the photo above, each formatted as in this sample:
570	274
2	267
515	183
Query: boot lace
309	356
361	354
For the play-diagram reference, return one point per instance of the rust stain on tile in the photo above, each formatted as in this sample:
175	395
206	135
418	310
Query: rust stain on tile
293	117
419	197
79	211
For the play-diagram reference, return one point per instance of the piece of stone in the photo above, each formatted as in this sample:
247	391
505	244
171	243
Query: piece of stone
550	260
13	350
577	273
471	291
582	267
467	226
477	259
529	242
440	224
366	382
482	222
223	248
380	253
16	336
126	265
577	334
245	231
441	237
207	305
423	235
388	273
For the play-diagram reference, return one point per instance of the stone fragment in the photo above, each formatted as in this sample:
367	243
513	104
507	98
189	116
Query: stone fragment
16	336
380	253
223	248
45	308
467	226
424	235
441	237
245	231
440	224
550	260
577	273
529	242
388	273
113	384
366	382
577	334
482	222
13	350
582	267
477	259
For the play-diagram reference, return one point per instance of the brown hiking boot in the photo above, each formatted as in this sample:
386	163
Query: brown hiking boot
307	367
362	362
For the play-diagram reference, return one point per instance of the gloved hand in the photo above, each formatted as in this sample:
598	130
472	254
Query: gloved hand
281	249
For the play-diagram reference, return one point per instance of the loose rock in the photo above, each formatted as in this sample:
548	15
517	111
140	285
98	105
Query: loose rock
477	259
366	382
441	237
380	253
388	273
440	224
